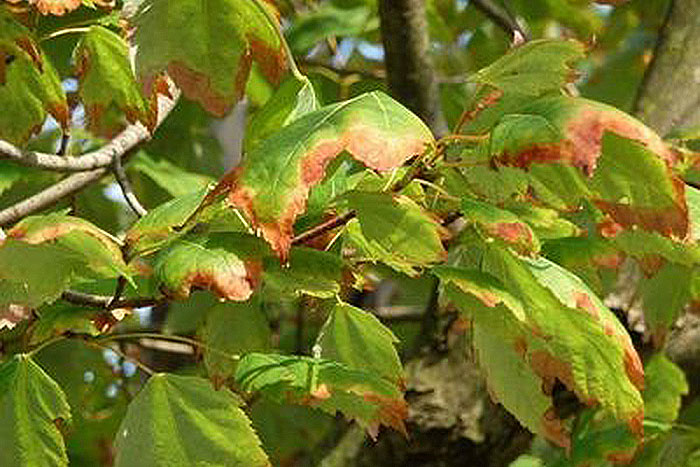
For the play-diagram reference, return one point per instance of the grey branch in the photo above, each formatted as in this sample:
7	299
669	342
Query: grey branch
502	17
126	140
410	72
670	94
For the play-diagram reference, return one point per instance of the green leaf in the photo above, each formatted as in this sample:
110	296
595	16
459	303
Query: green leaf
665	387
359	340
106	81
534	68
60	318
272	184
567	334
574	149
158	226
294	98
29	84
226	264
31	275
328	20
309	271
99	250
207	47
170	177
664	297
182	420
502	224
330	386
230	330
30	405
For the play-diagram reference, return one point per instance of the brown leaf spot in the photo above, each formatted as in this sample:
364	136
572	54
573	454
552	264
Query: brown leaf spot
321	392
234	285
26	44
608	228
554	430
636	424
583	301
392	411
633	365
272	62
550	368
55	7
196	86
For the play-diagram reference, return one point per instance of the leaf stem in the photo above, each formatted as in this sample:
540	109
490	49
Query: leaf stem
145	368
63	32
166	337
44	344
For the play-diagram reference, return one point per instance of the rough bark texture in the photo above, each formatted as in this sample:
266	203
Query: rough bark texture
409	68
670	94
452	422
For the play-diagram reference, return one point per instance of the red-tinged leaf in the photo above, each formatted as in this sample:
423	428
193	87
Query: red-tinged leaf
29	85
272	184
96	247
575	149
55	7
330	386
207	47
567	335
226	264
502	224
106	80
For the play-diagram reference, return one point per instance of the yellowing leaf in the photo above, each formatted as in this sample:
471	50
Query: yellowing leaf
272	184
330	386
207	47
106	80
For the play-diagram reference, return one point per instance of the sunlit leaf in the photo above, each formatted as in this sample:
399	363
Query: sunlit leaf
311	272
228	265
330	386
106	80
348	329
29	85
31	404
207	47
182	420
272	184
394	230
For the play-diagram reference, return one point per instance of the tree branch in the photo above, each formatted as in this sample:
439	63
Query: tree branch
670	93
125	141
321	229
105	302
501	17
410	71
130	137
128	193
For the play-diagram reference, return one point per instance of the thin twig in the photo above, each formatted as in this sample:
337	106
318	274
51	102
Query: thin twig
118	291
502	17
127	191
105	302
63	146
172	338
121	145
321	229
145	368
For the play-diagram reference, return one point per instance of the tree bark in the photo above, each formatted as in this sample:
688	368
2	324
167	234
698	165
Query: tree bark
670	94
410	71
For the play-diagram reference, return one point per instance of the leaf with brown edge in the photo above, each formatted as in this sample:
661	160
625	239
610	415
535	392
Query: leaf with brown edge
502	224
99	250
272	184
227	264
106	81
566	335
360	395
574	149
55	7
207	47
29	85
